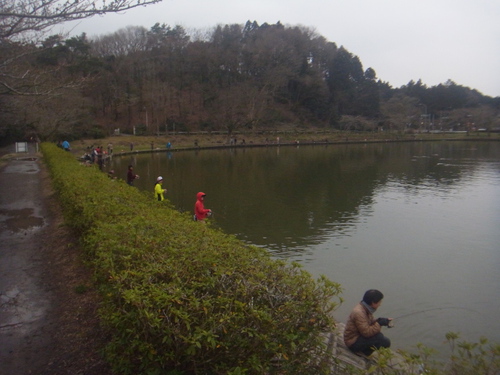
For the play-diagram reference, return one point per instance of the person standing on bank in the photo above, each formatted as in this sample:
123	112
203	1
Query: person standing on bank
131	176
362	333
200	212
159	190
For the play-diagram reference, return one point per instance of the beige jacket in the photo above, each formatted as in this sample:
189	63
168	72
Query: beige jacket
360	323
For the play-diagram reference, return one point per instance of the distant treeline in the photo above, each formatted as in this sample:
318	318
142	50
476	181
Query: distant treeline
231	78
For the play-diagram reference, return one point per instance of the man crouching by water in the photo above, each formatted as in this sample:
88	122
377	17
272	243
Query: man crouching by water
362	333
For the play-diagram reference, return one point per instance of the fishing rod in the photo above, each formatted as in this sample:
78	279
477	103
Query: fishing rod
391	323
435	309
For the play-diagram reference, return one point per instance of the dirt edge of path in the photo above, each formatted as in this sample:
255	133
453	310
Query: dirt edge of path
73	325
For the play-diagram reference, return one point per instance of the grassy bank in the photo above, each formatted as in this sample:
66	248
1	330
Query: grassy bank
182	298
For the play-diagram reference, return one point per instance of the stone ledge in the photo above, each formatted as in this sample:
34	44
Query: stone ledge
341	355
342	358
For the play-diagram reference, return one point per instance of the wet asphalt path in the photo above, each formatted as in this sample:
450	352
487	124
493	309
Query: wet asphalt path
24	303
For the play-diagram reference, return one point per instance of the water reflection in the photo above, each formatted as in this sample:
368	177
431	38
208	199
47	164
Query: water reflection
288	198
418	221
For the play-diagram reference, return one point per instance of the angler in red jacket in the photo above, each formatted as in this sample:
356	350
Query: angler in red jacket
200	212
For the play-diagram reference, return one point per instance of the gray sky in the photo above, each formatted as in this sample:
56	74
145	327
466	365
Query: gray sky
402	40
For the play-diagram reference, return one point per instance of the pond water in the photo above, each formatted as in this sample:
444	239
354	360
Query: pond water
419	221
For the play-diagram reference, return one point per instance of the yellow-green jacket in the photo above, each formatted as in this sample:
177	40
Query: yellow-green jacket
159	192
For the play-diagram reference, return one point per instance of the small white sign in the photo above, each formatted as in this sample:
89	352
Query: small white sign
21	146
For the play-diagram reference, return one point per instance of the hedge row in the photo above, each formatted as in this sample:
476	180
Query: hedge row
180	297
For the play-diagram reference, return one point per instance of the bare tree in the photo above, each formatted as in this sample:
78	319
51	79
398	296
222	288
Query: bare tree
401	112
22	24
24	16
128	40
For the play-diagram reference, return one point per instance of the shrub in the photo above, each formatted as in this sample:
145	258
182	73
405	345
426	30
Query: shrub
183	297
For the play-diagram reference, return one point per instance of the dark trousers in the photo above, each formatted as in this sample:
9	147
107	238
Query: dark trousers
367	345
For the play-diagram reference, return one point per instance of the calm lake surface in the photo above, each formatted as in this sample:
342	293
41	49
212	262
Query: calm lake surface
419	221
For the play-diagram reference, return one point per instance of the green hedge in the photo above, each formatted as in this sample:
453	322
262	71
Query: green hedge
180	297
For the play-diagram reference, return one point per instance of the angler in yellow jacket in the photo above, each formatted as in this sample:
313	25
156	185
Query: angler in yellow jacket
159	190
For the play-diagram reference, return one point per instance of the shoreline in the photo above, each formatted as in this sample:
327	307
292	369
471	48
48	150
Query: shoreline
142	142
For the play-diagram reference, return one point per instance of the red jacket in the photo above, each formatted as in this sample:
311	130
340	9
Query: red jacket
199	208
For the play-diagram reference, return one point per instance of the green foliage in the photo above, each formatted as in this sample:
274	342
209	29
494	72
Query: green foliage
466	359
183	298
473	358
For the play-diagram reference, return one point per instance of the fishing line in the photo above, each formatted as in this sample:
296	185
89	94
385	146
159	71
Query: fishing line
435	309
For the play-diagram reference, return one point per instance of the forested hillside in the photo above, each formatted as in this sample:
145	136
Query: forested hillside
231	78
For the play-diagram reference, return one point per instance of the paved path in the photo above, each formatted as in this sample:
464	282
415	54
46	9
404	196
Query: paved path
24	303
46	326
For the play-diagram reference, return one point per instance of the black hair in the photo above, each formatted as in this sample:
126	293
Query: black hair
372	296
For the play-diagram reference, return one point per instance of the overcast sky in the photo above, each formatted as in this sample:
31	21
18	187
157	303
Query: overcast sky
402	40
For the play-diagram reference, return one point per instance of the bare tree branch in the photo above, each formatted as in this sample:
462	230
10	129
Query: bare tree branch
22	23
20	16
19	77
